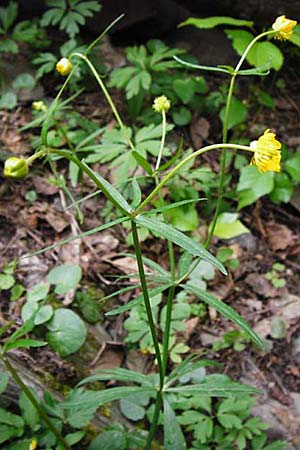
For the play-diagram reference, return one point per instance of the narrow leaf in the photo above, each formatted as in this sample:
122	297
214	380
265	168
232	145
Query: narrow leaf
180	239
173	436
120	374
151	292
214	389
25	343
142	162
106	396
79	236
212	22
226	311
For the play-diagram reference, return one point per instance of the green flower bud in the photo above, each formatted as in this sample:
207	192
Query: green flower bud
161	104
15	168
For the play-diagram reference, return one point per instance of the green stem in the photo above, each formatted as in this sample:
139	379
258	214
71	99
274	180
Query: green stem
163	138
107	96
225	133
182	163
36	155
147	303
34	402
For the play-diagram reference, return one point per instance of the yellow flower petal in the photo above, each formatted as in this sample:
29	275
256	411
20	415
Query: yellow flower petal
64	66
283	27
267	154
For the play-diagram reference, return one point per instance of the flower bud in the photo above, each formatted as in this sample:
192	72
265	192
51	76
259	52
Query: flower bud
39	106
15	168
64	66
283	27
161	104
33	444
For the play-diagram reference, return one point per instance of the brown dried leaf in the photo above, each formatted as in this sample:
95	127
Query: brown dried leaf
279	236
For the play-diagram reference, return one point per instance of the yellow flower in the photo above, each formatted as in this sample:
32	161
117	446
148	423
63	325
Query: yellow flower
267	152
15	168
33	444
39	106
161	104
64	66
283	27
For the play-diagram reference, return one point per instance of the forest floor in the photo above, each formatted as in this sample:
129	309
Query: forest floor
274	237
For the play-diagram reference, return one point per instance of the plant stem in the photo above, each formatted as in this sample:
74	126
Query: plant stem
225	133
147	300
108	98
34	402
163	138
182	163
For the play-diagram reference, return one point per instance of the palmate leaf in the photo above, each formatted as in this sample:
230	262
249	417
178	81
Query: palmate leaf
226	311
180	239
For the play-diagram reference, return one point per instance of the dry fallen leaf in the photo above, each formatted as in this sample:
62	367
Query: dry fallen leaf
279	236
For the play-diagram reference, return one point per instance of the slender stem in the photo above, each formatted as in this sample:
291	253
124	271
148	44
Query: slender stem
36	155
182	163
108	98
223	161
147	300
225	133
34	402
166	337
163	138
154	421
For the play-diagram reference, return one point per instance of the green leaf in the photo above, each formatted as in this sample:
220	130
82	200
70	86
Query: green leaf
129	305
8	101
133	407
292	167
185	89
253	185
24	81
43	315
173	436
65	277
237	114
3	381
67	332
6	281
7	432
228	226
226	311
109	440
98	398
125	375
24	343
38	292
214	389
142	162
211	22
184	218
283	188
29	413
182	116
79	236
8	418
178	238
